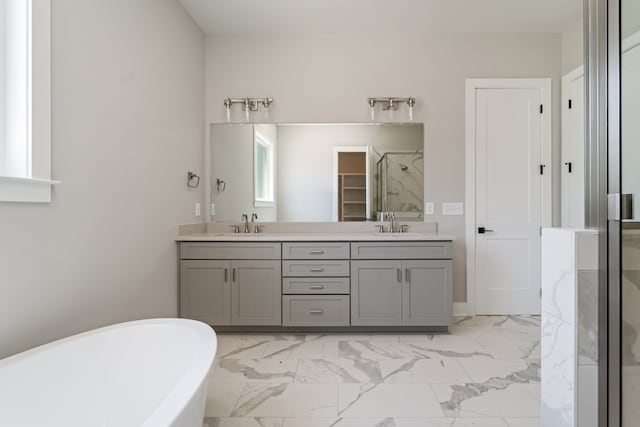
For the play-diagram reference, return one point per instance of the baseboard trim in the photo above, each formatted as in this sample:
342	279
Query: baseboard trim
462	309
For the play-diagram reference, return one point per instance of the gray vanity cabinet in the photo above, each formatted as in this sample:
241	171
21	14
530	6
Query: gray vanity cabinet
427	296
205	291
376	293
256	293
413	288
243	291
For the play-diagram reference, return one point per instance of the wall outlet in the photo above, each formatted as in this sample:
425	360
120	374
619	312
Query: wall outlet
197	208
452	209
429	208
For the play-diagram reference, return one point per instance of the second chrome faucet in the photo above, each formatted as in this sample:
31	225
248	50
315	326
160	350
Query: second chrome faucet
245	223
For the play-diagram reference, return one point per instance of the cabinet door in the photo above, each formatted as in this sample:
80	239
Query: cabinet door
427	295
205	291
256	293
376	293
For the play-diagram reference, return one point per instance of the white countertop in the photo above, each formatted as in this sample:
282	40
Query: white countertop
314	237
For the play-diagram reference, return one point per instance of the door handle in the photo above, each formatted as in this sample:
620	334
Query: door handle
399	275
233	275
407	275
482	230
569	166
226	275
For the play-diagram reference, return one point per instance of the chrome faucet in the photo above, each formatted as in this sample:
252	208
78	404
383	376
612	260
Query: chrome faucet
245	221
256	228
392	219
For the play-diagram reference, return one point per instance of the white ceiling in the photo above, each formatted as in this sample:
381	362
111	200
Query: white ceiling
328	16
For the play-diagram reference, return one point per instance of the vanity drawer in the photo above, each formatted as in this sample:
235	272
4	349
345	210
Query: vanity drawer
401	250
316	285
230	250
315	268
315	310
319	250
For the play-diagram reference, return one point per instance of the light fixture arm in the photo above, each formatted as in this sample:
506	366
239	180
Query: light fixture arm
248	104
390	103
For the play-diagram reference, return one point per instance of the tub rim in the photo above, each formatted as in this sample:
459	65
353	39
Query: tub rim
177	399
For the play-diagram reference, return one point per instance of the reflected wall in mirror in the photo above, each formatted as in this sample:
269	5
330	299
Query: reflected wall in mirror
317	172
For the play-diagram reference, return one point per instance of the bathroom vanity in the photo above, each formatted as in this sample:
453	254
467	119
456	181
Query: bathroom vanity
324	281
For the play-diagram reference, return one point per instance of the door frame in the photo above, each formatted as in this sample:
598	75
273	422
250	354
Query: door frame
350	149
564	97
472	86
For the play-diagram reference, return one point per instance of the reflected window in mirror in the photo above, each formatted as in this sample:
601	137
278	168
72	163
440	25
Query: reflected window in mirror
263	170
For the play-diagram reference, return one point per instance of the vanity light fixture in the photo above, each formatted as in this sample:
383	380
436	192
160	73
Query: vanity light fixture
248	105
390	104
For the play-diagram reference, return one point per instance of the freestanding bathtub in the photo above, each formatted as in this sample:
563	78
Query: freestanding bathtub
142	373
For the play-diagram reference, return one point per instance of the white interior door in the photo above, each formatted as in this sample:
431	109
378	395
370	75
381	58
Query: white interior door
510	167
572	178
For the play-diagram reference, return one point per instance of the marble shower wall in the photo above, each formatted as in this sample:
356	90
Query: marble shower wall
404	183
569	328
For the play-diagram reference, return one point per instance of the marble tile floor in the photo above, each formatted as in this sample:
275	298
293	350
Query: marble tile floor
485	373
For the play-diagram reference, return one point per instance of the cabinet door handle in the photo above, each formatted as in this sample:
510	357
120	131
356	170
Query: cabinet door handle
316	287
233	275
316	252
317	270
226	275
316	311
399	274
407	275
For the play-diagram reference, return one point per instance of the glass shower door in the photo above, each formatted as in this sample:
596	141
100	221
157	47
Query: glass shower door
630	210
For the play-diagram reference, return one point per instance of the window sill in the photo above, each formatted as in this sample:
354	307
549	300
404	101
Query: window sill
263	204
25	190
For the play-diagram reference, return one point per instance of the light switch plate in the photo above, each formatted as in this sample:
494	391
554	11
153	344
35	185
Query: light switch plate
429	208
197	208
452	209
213	209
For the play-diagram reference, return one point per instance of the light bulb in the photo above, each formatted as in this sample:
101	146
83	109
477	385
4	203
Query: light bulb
372	112
228	114
411	113
246	114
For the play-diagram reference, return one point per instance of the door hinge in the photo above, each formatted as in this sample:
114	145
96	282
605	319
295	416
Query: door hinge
570	104
542	169
541	109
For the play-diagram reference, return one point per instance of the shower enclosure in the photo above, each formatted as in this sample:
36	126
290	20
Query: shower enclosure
399	184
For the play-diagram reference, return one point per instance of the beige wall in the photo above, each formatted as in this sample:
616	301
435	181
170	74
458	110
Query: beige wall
327	78
127	126
573	46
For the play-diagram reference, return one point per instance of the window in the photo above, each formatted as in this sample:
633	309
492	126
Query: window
25	96
263	171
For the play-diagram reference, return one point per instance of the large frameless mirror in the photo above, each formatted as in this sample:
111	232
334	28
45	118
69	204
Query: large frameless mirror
317	172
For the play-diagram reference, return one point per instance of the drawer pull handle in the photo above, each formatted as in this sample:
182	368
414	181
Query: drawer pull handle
316	286
316	252
317	270
407	275
233	275
399	275
226	275
316	311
